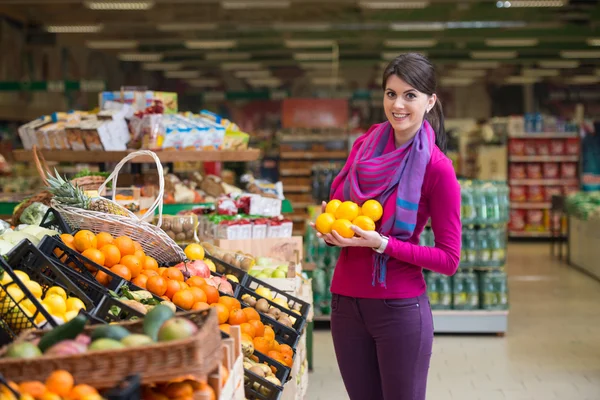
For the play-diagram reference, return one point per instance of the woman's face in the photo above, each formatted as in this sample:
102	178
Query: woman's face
405	106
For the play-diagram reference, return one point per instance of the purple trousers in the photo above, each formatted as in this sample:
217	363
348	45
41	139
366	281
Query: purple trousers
383	347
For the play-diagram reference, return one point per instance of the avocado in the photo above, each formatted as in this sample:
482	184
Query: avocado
114	332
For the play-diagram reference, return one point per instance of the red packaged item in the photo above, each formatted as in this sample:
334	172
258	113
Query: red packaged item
516	147
517	171
517	220
226	206
572	147
534	171
530	148
543	148
571	189
557	147
568	171
518	194
535	193
551	170
535	220
550	191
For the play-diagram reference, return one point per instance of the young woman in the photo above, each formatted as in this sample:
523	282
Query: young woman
381	319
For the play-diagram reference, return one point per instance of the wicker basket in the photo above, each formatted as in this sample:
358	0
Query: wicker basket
198	355
155	241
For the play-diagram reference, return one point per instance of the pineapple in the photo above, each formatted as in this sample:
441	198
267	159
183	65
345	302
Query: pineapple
71	195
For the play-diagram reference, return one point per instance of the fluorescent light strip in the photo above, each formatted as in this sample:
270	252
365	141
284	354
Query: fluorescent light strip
316	65
229	66
456	81
418	26
326	81
242	5
210	44
584	79
485	24
165	66
390	5
580	54
417	43
469	73
593	42
530	3
309	44
119	5
74	28
182	74
252	74
225	56
268	82
511	42
302	27
540	72
479	64
558	64
521	80
112	44
150	57
494	55
390	55
186	27
206	82
313	56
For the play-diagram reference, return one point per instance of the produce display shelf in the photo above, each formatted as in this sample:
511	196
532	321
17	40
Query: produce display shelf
472	321
532	206
117	156
546	182
544	158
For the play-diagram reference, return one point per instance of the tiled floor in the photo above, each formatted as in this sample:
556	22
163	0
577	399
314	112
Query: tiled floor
551	350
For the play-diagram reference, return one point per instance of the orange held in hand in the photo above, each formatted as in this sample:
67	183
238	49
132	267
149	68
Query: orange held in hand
365	223
347	210
372	209
324	223
332	206
344	228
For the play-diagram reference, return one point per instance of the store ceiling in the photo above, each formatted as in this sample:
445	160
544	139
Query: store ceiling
276	37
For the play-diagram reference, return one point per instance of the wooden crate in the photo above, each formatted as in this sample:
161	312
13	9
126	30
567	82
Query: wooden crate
287	249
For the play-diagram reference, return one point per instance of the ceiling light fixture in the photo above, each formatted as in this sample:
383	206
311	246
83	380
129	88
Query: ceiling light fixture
241	66
529	3
326	80
485	24
226	56
585	79
511	42
418	26
391	5
182	74
242	5
302	27
390	55
456	81
593	42
580	54
252	74
210	44
479	64
186	27
309	44
162	66
540	73
266	82
521	80
206	82
74	28
119	5
316	65
313	56
558	64
409	44
469	73
112	44
150	57
494	55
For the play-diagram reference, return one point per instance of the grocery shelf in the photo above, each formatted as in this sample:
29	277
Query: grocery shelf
302	155
544	135
295	172
574	158
531	234
545	182
532	206
116	156
296	189
471	321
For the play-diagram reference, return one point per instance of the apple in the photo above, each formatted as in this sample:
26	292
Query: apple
262	275
268	271
254	272
176	328
279	274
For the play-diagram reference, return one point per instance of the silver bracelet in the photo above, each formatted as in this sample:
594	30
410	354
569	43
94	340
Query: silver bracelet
383	246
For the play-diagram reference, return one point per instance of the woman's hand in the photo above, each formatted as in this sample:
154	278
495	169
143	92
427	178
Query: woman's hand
362	238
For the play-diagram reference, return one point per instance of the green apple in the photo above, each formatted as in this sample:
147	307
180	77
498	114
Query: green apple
268	271
283	267
279	274
262	275
254	272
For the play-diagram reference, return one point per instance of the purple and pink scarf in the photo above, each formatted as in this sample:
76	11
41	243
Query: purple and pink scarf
376	174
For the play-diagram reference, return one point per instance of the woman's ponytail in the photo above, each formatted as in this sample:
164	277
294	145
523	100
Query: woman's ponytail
435	117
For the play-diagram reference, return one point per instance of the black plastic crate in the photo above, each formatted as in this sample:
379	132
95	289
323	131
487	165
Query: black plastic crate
129	389
53	220
300	319
254	386
282	372
283	334
222	269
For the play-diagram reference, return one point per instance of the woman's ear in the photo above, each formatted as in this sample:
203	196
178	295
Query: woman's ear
431	102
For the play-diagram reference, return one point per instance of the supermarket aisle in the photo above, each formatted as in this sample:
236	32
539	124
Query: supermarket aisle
551	352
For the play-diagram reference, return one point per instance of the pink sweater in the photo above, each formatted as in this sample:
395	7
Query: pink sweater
440	201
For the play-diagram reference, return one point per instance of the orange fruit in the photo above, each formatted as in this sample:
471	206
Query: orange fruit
84	240
225	328
347	210
178	390
248	329
332	206
80	391
62	256
150	263
205	391
137	246
174	274
50	396
104	238
103	278
251	314
184	285
343	228
275	355
237	317
112	255
197	281
259	327
67	239
324	223
200	306
141	255
262	345
94	255
161	271
199	295
140	280
149	272
36	389
245	338
269	333
60	382
172	288
184	299
287	359
286	349
230	302
224	375
212	294
372	209
365	223
156	285
125	245
133	263
222	312
122	271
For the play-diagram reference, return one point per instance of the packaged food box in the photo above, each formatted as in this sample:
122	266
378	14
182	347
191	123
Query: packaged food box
568	171
551	170
570	189
75	137
517	220
534	171
535	220
543	147
516	147
551	191
572	147
90	134
530	148
535	193
518	194
557	147
517	171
